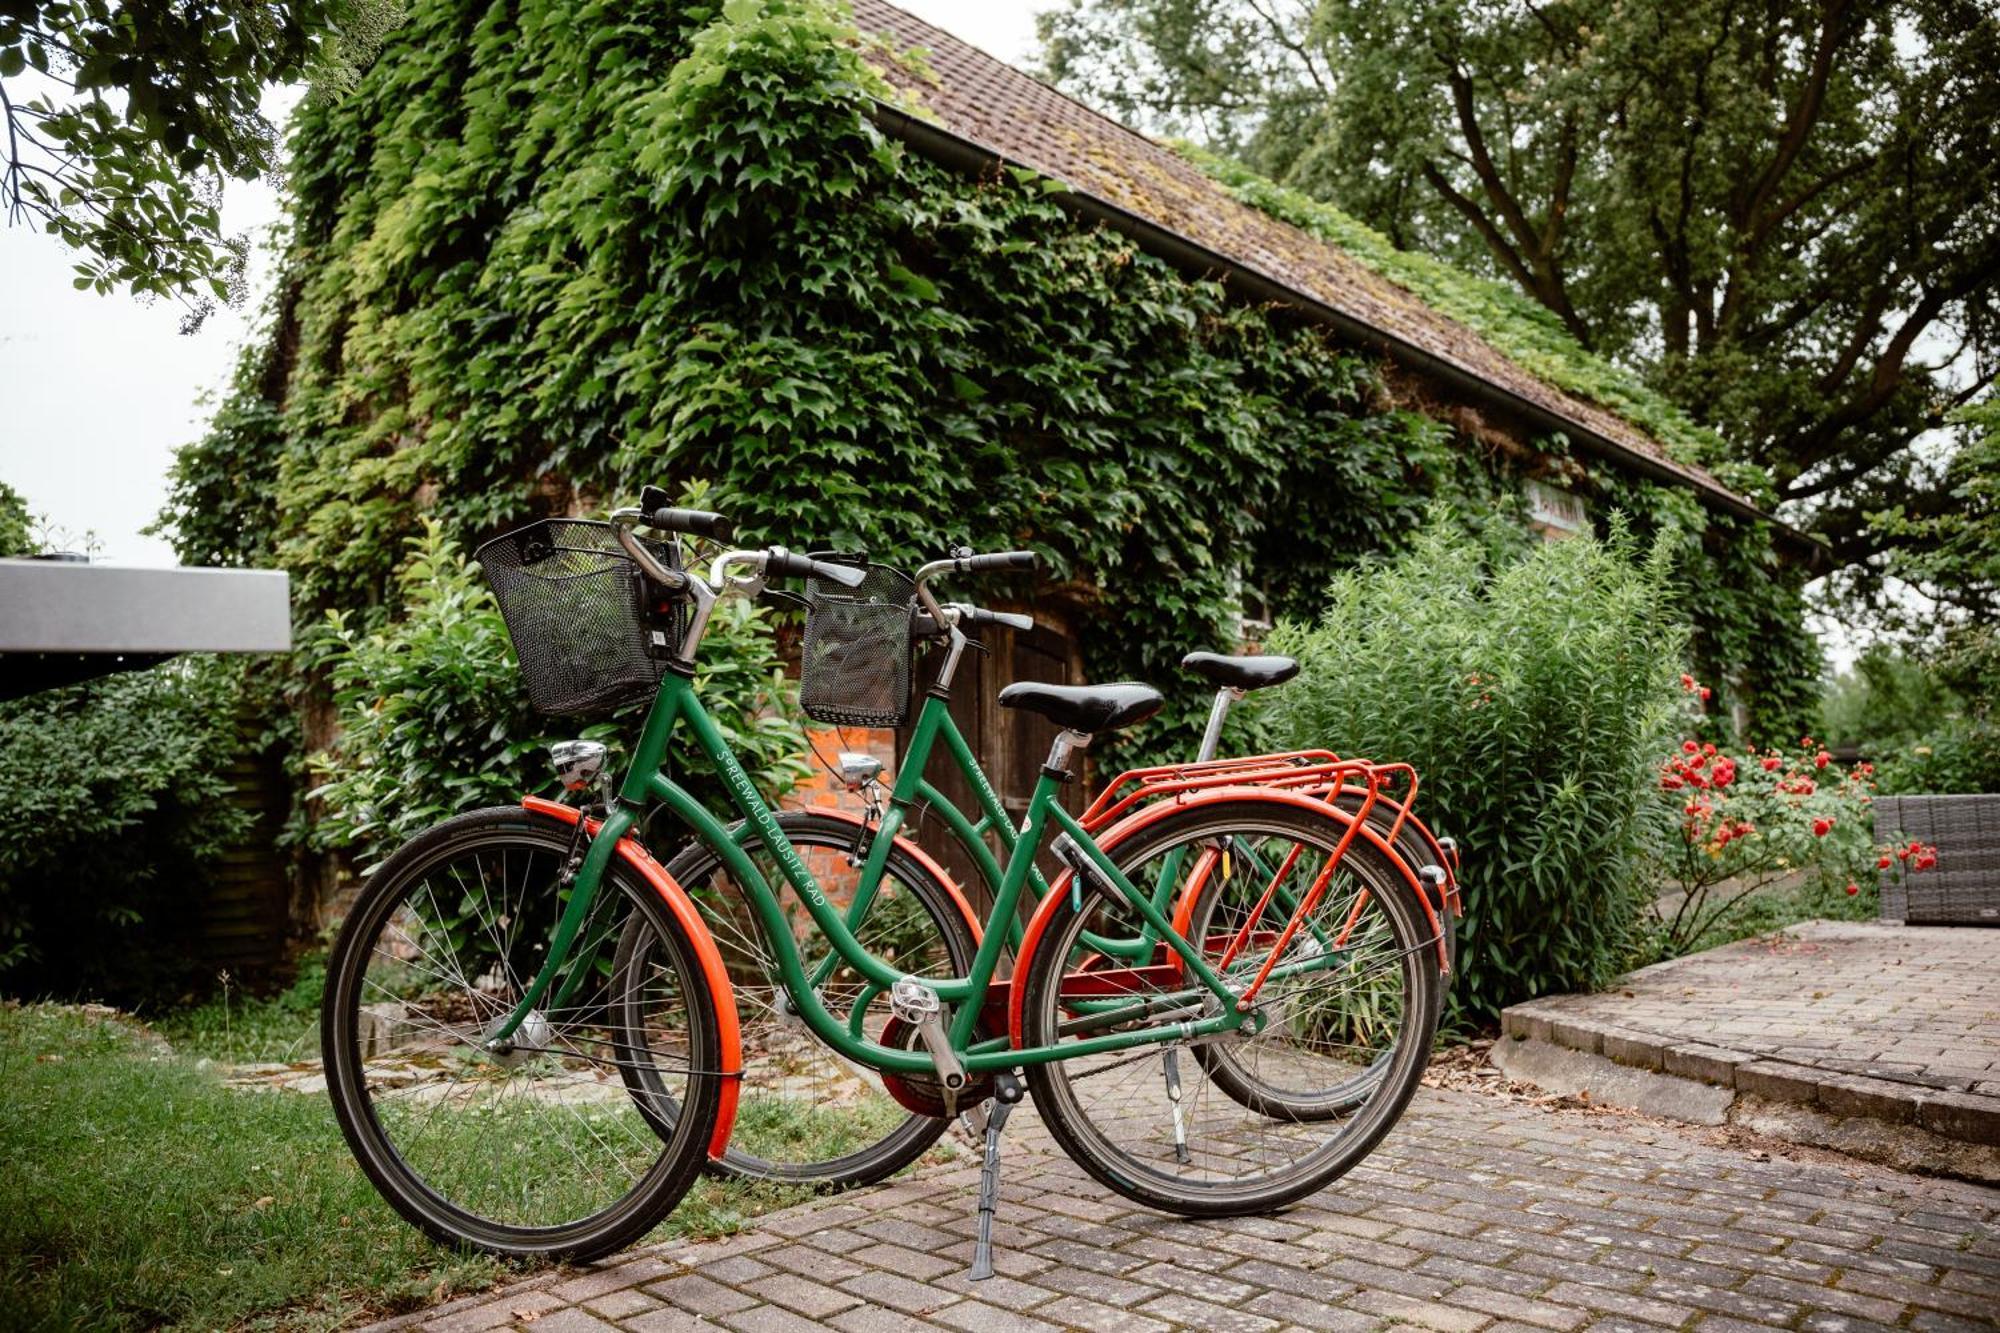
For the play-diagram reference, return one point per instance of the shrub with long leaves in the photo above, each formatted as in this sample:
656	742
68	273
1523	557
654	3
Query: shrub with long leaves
1535	699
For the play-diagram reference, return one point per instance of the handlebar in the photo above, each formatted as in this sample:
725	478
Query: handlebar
927	627
965	562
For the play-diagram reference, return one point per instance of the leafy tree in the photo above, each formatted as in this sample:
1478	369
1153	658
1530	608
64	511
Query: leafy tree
1785	215
17	525
123	119
1950	551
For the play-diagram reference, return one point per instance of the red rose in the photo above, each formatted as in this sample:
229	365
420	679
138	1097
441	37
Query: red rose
1805	742
1690	747
1771	764
1853	889
1687	681
1822	827
1723	773
1822	759
1881	863
1926	861
1706	694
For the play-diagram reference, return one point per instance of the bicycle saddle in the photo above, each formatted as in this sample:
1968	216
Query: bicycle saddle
1243	673
1090	708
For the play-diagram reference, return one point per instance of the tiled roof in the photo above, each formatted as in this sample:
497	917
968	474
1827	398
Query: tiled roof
990	105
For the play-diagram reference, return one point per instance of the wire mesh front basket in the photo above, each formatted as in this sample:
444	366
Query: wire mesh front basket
589	630
856	666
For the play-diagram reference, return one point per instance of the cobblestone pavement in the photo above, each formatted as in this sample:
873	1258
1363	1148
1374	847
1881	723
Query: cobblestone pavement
1477	1215
1915	1004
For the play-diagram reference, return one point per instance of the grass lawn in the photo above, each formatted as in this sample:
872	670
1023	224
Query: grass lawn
145	1193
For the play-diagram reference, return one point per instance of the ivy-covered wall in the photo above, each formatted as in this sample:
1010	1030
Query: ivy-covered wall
549	250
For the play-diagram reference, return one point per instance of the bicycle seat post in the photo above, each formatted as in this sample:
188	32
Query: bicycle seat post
1211	739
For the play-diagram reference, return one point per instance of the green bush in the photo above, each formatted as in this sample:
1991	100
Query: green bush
115	813
434	719
1535	701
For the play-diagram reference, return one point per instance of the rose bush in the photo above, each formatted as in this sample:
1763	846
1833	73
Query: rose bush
1758	820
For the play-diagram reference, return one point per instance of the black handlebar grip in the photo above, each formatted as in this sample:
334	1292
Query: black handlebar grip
974	564
693	522
785	564
979	615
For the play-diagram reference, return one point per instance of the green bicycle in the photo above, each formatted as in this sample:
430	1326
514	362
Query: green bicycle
807	1114
507	1080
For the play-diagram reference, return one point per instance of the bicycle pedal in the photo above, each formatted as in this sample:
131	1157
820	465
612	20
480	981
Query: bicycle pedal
916	1004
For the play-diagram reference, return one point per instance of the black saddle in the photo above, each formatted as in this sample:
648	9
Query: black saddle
1243	673
1089	708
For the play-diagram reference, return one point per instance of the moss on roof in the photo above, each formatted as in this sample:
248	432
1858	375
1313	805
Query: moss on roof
1526	331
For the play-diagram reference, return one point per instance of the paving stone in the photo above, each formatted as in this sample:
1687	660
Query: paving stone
611	1279
1178	1309
1639	1049
1303	1312
571	1320
667	1320
815	1300
979	1317
1577	1036
621	1304
899	1293
1708	1064
1959	1115
768	1319
1427	1314
1626	1305
1852	1095
700	1295
1521	1309
1077	1312
1095	1286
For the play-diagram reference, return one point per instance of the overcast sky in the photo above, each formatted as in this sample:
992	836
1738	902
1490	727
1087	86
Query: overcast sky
100	390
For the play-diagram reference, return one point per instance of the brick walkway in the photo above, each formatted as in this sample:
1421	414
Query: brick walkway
1477	1215
1916	1004
1887	1023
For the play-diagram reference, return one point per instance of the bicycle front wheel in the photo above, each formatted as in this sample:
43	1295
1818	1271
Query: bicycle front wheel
532	1146
1345	1021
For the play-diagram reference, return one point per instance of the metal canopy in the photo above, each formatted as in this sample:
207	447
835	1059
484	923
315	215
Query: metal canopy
64	621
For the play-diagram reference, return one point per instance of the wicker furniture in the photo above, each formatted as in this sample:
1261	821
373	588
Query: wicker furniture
1964	888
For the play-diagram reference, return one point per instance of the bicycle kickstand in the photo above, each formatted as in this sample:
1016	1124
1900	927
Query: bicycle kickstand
1006	1094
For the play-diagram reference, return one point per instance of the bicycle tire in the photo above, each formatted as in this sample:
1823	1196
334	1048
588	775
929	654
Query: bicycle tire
511	1139
1143	1178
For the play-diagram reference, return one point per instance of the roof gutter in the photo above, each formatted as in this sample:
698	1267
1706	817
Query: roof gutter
954	150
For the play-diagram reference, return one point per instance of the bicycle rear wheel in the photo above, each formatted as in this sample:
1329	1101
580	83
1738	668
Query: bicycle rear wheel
1347	1022
534	1148
807	1115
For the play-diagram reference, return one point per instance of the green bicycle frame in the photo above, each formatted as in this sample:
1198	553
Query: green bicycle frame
678	703
934	722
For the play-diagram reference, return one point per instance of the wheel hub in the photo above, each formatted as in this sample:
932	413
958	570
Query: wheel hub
532	1038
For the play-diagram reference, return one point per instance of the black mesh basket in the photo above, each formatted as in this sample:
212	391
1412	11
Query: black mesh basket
590	632
856	667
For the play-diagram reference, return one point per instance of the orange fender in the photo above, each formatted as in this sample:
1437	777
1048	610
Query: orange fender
1183	912
710	958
